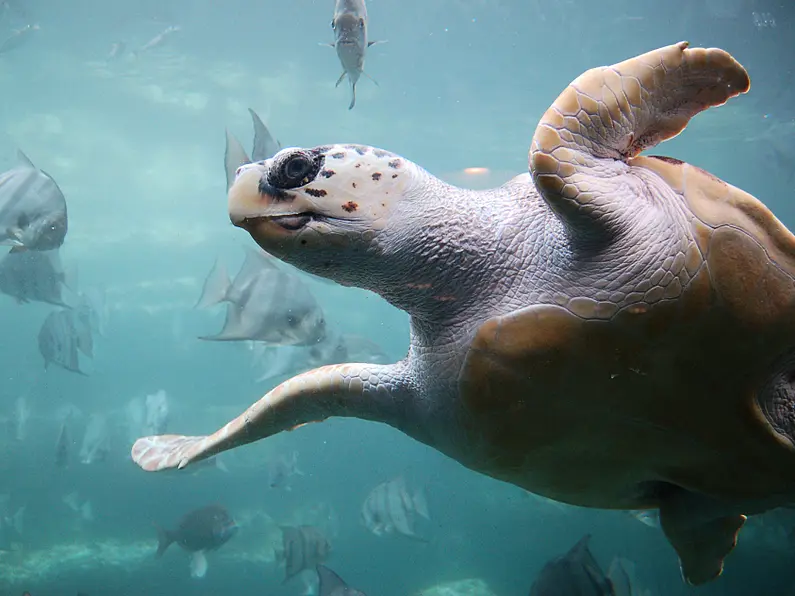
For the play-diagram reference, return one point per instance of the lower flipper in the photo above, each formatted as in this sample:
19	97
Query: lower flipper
701	541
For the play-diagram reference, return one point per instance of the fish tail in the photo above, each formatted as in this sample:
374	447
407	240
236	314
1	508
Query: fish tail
164	540
353	95
339	80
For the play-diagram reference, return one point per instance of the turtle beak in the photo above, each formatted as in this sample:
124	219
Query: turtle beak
246	202
265	212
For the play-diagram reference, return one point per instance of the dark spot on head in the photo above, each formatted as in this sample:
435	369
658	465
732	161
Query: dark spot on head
303	240
382	153
327	173
353	184
673	160
358	165
394	176
338	155
276	194
315	192
394	164
321	149
350	207
377	176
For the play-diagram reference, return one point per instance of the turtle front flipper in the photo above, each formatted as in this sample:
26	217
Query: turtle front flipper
367	391
610	114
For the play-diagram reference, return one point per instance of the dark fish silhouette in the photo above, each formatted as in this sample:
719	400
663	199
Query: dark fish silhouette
202	530
32	208
265	303
235	156
304	547
578	574
332	584
33	276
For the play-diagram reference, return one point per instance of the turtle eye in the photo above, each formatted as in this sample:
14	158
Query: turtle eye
361	23
333	25
294	169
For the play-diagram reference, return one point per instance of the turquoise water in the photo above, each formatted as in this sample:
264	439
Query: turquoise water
136	143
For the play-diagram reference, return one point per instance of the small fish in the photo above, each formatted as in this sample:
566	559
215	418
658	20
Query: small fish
266	303
84	509
17	38
350	41
116	50
21	417
303	548
60	340
156	413
649	517
235	156
281	469
332	584
333	349
157	39
390	508
32	208
62	444
96	441
205	529
33	276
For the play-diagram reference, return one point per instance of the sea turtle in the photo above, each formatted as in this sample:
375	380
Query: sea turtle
608	330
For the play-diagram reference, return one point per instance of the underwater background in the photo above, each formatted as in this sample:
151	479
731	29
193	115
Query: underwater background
135	140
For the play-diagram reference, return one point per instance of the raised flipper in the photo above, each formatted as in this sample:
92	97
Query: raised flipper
610	114
701	539
370	392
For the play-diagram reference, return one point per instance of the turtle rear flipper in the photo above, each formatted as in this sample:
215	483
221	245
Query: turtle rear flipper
612	113
702	542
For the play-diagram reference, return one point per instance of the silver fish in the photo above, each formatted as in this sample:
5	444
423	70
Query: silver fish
32	208
390	508
59	341
333	349
350	41
17	38
96	441
303	547
332	584
63	444
281	469
21	417
235	156
156	413
266	303
33	276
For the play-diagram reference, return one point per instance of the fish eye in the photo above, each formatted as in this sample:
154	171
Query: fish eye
333	25
294	170
361	23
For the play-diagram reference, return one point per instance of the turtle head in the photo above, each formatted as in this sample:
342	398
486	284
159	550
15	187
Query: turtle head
322	209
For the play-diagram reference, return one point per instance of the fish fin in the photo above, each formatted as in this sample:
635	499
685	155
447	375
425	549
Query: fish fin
702	542
198	564
234	157
619	578
376	42
18	248
420	503
330	582
69	277
221	465
325	43
215	286
371	78
24	159
339	80
164	540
